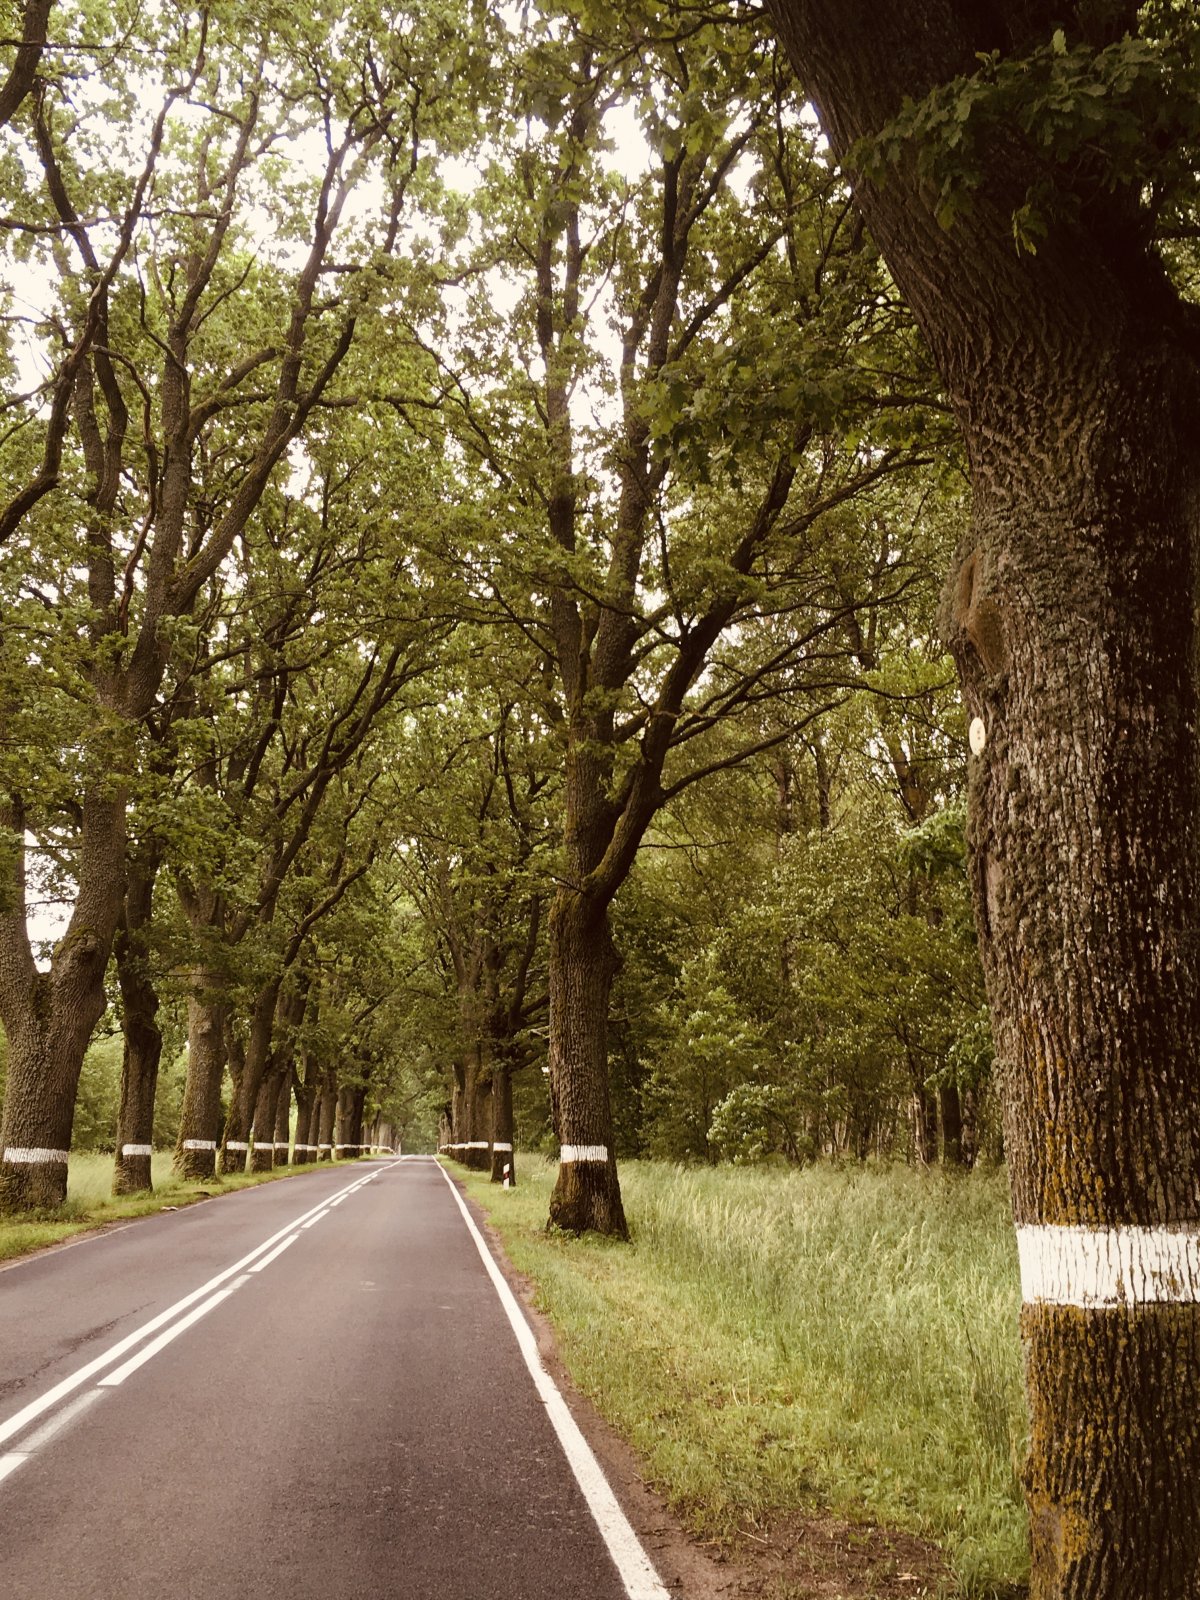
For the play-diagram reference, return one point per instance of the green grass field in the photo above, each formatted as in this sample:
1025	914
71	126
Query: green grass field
774	1340
90	1201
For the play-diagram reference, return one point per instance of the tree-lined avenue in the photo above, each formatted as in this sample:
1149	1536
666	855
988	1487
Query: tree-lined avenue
326	1421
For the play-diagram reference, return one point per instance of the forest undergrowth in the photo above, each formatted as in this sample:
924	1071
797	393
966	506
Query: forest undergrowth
842	1339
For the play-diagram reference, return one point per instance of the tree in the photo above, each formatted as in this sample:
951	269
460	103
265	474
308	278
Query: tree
662	553
1032	169
163	427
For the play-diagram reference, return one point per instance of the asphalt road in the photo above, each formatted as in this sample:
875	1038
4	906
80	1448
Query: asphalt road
349	1413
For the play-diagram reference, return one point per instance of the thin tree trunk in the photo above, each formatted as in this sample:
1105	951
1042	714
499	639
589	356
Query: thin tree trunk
283	1116
343	1141
950	1107
327	1106
139	1024
478	1108
504	1160
583	964
244	1100
304	1150
231	1156
926	1121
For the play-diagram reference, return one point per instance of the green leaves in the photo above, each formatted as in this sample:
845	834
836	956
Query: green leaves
1080	120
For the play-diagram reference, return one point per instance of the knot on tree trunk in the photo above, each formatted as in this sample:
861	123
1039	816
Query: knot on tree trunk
971	619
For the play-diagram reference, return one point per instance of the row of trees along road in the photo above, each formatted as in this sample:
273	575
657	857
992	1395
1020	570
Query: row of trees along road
475	487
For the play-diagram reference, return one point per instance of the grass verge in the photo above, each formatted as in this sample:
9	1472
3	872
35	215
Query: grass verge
90	1201
775	1341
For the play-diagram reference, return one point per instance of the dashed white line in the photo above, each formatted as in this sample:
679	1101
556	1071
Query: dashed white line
36	1408
278	1251
317	1218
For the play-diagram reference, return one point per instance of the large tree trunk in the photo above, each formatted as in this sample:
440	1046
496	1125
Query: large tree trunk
49	1017
139	1022
262	1156
1071	616
583	964
200	1120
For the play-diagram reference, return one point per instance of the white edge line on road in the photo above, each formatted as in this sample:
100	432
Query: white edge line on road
21	1419
631	1561
278	1251
173	1332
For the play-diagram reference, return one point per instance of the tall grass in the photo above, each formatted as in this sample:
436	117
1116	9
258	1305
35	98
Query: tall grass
778	1339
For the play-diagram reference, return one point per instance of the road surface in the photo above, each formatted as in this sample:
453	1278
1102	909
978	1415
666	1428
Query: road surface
313	1388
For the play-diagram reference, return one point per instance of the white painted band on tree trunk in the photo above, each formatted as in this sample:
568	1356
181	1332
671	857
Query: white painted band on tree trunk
476	1144
137	1149
1098	1268
199	1144
35	1158
583	1152
502	1147
236	1144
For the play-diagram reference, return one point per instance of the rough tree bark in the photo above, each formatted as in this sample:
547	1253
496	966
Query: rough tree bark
139	1021
583	964
49	1016
262	1156
1070	612
243	1101
200	1120
327	1107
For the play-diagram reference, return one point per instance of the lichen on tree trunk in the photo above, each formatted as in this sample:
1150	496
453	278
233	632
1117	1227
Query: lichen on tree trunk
1070	611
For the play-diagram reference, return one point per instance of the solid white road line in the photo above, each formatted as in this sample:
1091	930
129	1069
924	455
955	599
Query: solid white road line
11	1462
317	1218
36	1408
278	1251
173	1332
631	1561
